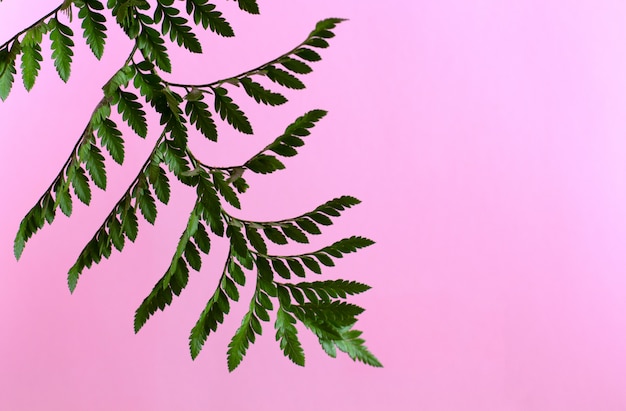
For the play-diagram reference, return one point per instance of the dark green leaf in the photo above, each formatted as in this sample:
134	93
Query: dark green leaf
286	334
147	206
307	54
351	344
193	256
93	25
65	201
240	185
177	27
150	41
237	240
261	94
161	185
200	117
95	166
295	233
249	6
225	189
324	259
283	150
296	66
236	273
295	267
320	218
205	13
264	164
230	288
130	225
317	42
308	226
112	140
31	57
256	240
280	268
7	73
60	35
274	235
240	342
116	233
201	237
211	316
132	112
230	112
312	264
348	245
284	78
81	186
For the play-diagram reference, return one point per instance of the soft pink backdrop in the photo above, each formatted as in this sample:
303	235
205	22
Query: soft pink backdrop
487	142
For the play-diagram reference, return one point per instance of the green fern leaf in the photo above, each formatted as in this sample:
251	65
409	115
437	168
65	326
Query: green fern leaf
200	116
261	94
230	112
264	164
249	6
225	190
240	342
283	78
307	54
317	42
274	235
131	112
81	186
280	268
205	14
308	226
112	140
31	57
295	267
354	346
7	73
149	40
130	225
201	238
347	245
236	273
177	27
160	297
210	318
294	233
60	35
93	25
95	166
147	206
287	335
296	66
161	184
256	240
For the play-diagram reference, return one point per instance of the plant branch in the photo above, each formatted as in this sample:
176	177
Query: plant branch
38	22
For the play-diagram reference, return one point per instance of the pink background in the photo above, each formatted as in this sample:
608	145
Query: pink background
486	140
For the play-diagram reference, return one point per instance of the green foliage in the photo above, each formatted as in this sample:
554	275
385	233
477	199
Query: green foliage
31	55
204	13
94	30
176	26
139	84
61	38
261	94
230	112
7	69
